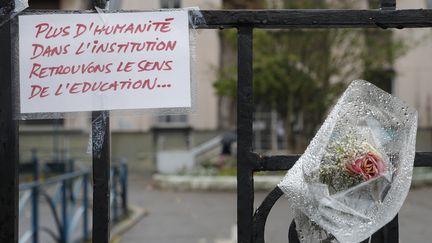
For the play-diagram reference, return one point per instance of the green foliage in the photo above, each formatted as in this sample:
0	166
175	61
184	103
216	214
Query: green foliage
226	85
299	73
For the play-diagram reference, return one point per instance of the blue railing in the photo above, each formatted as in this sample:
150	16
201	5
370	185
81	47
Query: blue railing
66	200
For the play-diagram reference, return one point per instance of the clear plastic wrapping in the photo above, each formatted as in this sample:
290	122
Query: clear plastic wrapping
354	176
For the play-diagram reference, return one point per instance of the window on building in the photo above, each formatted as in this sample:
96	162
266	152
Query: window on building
172	119
170	3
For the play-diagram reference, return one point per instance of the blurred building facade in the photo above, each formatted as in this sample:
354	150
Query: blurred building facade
137	136
414	73
204	114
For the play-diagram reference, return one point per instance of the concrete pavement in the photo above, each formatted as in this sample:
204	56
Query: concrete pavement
210	217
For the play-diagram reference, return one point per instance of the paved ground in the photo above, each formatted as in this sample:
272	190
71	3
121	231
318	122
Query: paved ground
204	217
210	217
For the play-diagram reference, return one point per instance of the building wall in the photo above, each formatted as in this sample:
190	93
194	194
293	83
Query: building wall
131	139
412	82
74	4
414	69
206	60
132	136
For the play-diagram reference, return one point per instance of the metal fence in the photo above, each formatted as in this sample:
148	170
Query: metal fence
66	200
269	133
250	225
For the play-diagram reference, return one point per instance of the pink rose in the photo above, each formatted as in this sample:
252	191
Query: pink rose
369	166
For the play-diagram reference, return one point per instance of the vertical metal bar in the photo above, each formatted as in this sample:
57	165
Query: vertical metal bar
8	138
35	199
391	231
85	206
114	193
64	211
101	170
6	6
101	177
245	190
124	185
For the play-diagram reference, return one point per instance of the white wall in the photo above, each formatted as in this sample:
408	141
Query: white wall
414	69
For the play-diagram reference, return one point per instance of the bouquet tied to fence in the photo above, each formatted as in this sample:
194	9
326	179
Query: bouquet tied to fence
356	172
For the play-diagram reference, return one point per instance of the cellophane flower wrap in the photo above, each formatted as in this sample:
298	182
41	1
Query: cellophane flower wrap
355	175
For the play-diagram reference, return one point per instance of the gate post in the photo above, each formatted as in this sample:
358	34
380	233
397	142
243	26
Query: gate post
245	189
101	178
8	137
101	169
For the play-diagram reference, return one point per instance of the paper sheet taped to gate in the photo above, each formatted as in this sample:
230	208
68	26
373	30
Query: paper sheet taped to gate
85	62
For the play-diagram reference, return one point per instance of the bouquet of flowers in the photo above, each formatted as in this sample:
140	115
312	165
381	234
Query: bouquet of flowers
356	172
350	162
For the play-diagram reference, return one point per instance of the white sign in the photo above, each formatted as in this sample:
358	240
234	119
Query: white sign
88	62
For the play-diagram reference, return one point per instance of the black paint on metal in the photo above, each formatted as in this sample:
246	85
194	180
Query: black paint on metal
124	185
292	233
285	162
101	169
387	234
101	178
261	214
6	6
304	18
391	231
245	190
276	163
423	159
8	140
248	162
319	18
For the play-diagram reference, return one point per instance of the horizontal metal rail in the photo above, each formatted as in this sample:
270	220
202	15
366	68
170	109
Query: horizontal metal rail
53	180
285	19
285	162
323	18
246	21
69	204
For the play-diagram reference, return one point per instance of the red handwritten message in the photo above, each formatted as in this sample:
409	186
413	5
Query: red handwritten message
92	62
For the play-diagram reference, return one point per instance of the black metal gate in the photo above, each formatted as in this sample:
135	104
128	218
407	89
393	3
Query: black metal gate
251	224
